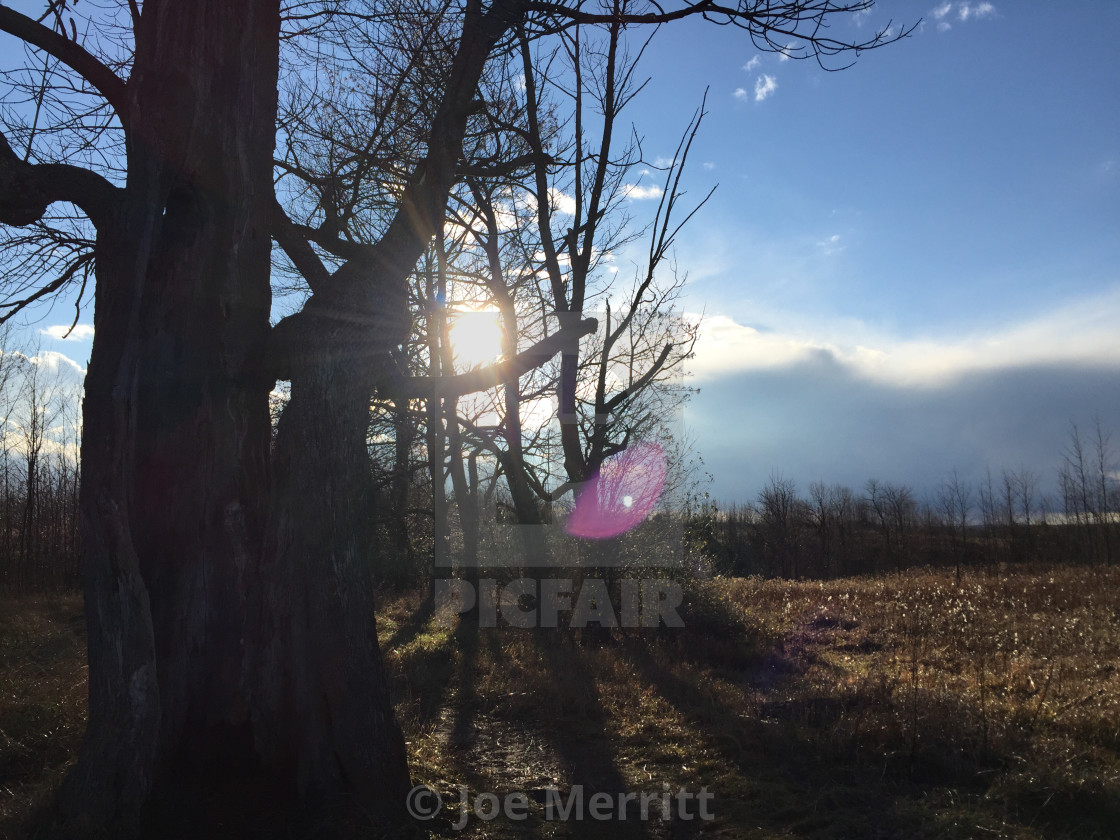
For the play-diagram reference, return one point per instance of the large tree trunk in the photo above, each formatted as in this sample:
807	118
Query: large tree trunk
324	686
230	619
233	658
204	104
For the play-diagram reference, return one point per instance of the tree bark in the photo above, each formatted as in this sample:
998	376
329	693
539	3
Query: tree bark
231	625
325	697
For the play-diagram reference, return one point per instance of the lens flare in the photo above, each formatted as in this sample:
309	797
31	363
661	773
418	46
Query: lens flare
621	494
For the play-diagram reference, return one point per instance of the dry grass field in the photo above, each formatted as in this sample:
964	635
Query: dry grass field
902	706
42	699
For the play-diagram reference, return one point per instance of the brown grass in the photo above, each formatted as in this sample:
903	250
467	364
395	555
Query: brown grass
42	699
905	706
902	706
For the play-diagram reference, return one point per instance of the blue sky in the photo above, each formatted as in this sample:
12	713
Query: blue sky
910	265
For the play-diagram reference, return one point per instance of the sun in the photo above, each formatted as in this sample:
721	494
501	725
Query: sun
476	336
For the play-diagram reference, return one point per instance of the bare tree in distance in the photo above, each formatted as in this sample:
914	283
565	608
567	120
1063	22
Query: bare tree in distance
954	499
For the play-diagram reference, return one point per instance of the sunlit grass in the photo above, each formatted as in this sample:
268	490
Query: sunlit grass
900	706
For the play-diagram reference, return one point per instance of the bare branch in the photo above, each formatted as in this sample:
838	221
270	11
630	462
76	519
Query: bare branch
298	249
71	54
82	263
27	190
497	374
642	382
771	25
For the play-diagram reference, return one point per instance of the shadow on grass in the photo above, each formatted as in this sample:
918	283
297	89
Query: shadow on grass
42	702
818	757
466	705
788	781
411	627
582	742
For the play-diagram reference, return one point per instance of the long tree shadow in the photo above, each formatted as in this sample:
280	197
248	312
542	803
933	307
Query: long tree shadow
797	750
487	751
584	746
467	702
410	628
780	772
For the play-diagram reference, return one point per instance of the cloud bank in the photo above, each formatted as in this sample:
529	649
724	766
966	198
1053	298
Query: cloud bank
840	403
1082	332
818	421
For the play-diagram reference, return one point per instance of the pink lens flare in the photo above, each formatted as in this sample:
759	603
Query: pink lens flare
621	494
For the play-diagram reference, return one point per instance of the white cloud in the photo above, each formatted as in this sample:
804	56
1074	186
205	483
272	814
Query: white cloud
13	439
505	215
1081	332
52	362
637	192
562	257
662	162
831	245
709	165
979	10
787	52
764	86
965	12
752	64
561	201
725	347
740	93
81	332
58	381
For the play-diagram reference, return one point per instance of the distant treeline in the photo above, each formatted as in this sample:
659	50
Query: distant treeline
828	531
835	530
39	473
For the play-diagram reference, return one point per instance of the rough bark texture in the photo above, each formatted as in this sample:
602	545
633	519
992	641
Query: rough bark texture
233	653
325	690
199	151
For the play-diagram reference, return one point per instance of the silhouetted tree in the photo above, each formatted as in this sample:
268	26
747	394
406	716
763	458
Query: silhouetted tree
226	570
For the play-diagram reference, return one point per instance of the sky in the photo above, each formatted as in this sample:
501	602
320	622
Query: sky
909	266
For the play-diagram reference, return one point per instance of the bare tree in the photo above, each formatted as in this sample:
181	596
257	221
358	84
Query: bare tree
780	513
41	406
1078	498
1105	488
954	499
639	348
11	361
226	572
